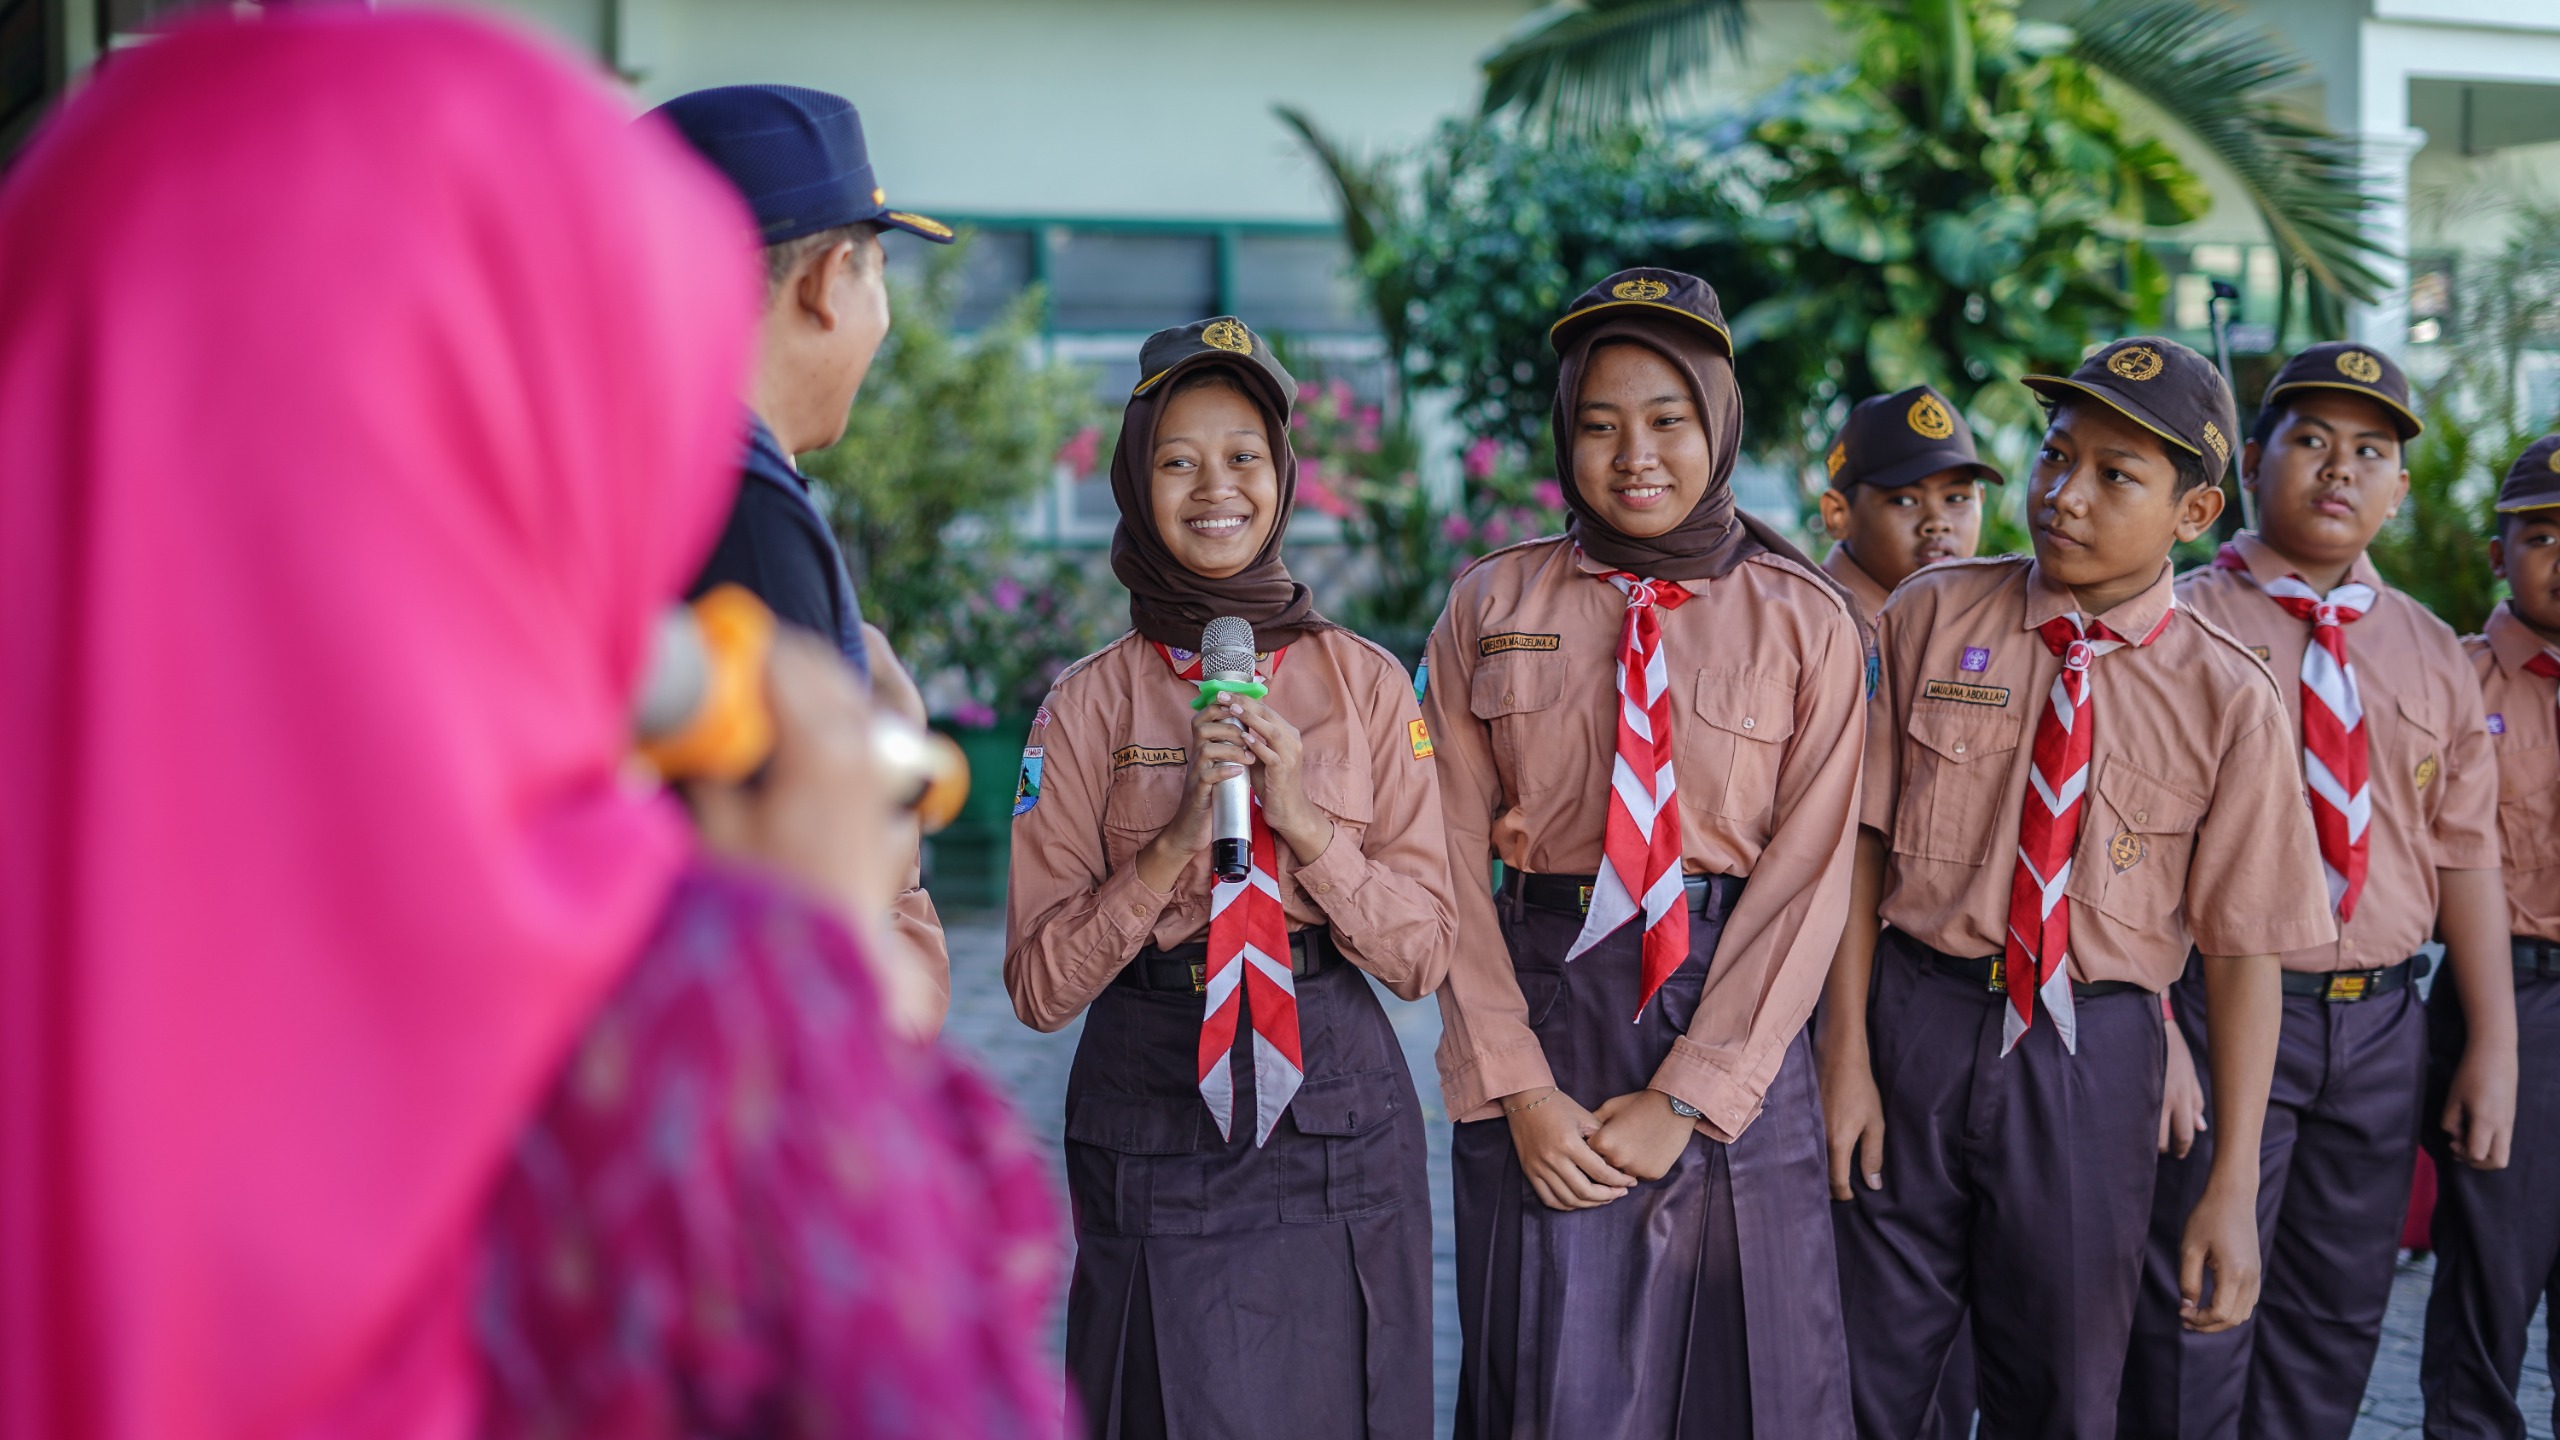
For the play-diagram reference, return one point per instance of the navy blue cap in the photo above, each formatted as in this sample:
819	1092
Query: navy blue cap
796	155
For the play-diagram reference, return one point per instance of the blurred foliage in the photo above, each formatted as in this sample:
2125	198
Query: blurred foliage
2479	418
1579	66
951	436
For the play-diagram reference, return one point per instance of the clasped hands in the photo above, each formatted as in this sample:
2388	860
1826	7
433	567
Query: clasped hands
1579	1159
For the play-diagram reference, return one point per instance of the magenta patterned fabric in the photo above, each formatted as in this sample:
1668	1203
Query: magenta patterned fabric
746	1209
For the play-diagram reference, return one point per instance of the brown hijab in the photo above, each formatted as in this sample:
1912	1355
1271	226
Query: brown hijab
1168	602
1678	317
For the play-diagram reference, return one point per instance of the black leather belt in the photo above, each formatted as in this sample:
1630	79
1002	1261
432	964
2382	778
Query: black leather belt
1712	896
2540	958
2342	987
1991	972
1185	968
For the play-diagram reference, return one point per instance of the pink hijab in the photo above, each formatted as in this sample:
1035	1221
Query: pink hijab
366	385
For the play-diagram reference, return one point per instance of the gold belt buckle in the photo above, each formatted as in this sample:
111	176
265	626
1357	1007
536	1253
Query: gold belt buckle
1999	974
1585	899
1200	978
2347	987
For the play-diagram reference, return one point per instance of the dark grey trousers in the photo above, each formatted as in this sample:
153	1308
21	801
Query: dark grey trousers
2333	1187
2015	1185
2497	1232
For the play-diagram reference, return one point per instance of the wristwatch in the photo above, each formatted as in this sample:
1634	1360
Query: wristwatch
1683	1108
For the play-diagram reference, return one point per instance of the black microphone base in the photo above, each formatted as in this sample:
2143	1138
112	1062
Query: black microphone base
1231	859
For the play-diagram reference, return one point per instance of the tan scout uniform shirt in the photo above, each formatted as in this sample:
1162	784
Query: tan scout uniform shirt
2527	743
2194	826
1114	744
1523	699
2433	785
1865	593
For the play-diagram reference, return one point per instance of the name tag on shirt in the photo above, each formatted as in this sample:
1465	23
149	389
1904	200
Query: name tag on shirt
1503	644
1128	755
1963	694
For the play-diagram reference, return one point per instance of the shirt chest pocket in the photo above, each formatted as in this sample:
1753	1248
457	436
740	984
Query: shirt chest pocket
1343	791
1955	771
1139	802
2528	804
1515	696
2137	833
1732	744
2407	755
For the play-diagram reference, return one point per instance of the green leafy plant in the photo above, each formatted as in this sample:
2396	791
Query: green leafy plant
1585	64
951	436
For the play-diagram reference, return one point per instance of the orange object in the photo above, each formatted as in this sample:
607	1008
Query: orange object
731	731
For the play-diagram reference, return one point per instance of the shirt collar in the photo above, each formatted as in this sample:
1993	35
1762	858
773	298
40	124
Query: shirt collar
2266	565
765	457
2511	640
2132	619
1592	567
1844	567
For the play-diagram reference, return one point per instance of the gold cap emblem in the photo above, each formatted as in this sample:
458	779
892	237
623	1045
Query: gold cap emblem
1929	418
2553	460
2359	367
2126	850
934	228
1839	456
2135	362
879	196
1640	289
1228	335
2213	440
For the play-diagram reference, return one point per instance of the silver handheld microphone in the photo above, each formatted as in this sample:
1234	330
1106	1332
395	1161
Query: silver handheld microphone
1226	653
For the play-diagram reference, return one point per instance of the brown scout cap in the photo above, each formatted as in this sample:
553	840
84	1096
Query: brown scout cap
1229	340
2158	384
1901	439
2533	482
2356	369
1651	291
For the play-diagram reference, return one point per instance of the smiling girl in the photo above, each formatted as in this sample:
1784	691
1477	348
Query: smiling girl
1244	1149
1653	722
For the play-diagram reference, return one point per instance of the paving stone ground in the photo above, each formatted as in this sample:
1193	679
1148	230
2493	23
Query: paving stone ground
1033	1067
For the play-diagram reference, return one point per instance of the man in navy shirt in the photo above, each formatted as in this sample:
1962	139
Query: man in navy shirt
798	158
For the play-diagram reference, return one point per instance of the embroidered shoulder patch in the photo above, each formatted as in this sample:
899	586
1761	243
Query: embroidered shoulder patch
1420	735
1964	694
1515	640
1128	755
1026	789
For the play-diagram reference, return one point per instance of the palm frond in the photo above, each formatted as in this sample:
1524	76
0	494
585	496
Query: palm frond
2206	72
1581	64
1365	195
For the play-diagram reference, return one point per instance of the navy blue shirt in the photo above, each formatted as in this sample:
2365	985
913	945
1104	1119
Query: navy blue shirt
777	544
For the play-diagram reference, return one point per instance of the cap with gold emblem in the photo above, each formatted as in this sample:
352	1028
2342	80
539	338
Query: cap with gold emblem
1655	291
1222	338
2356	369
1900	439
2533	482
2158	384
795	155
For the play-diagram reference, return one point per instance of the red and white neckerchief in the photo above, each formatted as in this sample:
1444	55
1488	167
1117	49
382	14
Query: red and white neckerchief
2336	757
1640	868
1248	953
2036	961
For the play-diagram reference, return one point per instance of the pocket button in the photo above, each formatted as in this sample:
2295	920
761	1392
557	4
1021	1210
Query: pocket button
1510	699
1750	724
1959	749
2141	817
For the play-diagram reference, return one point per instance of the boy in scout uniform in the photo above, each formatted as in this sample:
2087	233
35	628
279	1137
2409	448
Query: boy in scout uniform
1906	492
2385	711
2068	781
2497	1232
